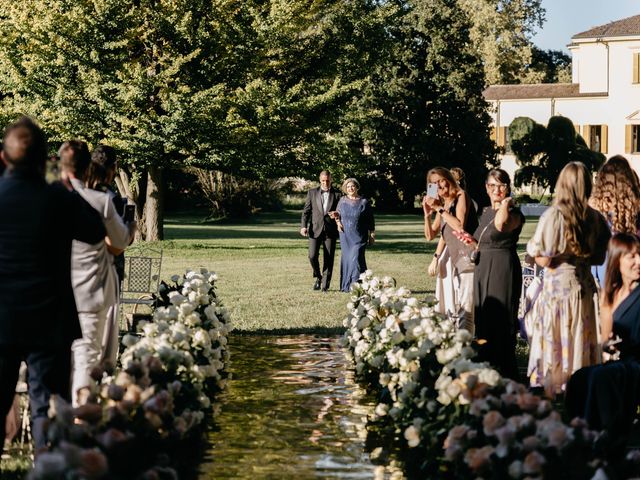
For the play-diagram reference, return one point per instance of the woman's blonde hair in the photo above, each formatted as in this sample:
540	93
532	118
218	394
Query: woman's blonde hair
347	182
460	177
454	188
572	199
616	194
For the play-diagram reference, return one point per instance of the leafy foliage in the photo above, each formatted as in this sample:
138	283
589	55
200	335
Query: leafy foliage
377	89
543	152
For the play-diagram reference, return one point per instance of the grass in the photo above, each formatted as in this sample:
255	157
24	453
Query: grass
265	276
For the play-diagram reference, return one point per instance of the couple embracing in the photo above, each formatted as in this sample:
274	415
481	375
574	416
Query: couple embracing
327	215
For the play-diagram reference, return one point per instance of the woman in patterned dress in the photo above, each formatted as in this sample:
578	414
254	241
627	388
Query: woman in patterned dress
570	237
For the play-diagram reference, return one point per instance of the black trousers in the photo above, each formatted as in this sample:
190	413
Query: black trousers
48	372
328	252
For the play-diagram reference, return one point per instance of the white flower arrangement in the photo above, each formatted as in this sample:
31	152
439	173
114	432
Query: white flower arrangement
189	335
170	371
459	412
414	353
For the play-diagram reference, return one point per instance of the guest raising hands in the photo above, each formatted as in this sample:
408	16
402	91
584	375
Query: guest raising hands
449	211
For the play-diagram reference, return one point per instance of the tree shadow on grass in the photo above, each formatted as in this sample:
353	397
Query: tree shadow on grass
197	232
389	246
331	331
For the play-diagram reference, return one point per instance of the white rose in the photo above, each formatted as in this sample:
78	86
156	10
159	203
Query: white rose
382	409
412	436
176	299
192	319
186	308
129	340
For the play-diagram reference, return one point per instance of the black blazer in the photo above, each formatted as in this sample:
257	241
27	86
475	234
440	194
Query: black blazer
313	216
37	225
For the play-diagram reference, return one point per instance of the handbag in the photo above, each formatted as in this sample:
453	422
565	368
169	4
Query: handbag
474	256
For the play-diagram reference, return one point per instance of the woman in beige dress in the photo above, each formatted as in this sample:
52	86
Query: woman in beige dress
570	237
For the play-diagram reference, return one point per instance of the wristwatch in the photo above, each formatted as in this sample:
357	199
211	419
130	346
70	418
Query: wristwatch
435	255
441	211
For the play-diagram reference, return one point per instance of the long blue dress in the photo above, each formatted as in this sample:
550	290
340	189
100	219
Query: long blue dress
357	219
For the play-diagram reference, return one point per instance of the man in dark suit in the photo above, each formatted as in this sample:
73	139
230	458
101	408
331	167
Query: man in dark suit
317	223
38	317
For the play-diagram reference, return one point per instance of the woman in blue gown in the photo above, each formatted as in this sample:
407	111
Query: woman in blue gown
357	230
607	396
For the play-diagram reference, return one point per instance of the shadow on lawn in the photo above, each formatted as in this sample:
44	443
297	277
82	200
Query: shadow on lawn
293	331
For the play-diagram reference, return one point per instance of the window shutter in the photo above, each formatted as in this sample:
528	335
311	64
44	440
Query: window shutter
628	136
586	134
577	128
502	131
604	139
636	67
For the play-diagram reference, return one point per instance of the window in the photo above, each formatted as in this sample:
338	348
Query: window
595	137
502	139
632	139
636	68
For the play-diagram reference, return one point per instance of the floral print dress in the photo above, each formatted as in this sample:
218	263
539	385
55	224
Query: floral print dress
562	325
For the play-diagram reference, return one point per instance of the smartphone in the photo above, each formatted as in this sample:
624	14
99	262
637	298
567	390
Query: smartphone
129	213
432	190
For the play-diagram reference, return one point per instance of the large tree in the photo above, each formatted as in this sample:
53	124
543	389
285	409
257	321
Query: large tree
146	77
252	88
542	152
422	105
501	32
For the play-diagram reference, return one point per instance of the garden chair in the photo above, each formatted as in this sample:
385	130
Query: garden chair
529	275
142	266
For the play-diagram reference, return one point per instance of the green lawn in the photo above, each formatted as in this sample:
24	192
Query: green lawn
265	277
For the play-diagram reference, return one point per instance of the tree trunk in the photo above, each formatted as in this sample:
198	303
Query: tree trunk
135	191
154	207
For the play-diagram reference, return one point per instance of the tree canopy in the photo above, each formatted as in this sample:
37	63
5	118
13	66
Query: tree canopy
380	89
542	152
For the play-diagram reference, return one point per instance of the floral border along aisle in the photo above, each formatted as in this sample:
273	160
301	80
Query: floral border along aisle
459	417
143	420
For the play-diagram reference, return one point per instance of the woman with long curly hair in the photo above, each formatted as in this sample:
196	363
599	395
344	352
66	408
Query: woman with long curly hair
616	195
570	237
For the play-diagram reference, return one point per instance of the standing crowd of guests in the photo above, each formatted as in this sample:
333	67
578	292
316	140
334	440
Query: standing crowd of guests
587	307
58	281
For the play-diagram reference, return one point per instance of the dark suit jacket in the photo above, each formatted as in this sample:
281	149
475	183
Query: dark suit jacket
37	225
313	216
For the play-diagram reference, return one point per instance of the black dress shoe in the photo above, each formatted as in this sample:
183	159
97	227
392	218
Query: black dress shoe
316	285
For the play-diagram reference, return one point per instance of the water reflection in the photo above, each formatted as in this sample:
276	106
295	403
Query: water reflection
292	410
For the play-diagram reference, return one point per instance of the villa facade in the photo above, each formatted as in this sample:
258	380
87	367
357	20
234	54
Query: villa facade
603	100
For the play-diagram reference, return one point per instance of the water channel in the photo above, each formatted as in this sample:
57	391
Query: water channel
291	411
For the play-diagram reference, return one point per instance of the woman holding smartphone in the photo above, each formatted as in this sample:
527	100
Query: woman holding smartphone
447	208
498	275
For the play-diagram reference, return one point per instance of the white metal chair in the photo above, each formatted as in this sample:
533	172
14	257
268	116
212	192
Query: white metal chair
142	266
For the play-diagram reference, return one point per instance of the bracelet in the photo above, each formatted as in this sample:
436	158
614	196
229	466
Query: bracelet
435	255
441	211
